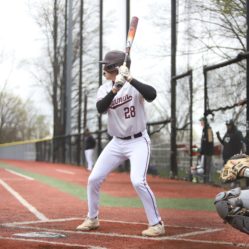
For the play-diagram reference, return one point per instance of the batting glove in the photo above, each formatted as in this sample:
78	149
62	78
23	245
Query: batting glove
119	82
125	72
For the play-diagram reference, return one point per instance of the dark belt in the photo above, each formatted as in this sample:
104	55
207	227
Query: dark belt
139	134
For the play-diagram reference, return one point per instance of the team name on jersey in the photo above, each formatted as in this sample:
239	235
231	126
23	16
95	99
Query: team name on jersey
120	101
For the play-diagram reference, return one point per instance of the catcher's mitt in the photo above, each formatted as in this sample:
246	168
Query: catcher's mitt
233	169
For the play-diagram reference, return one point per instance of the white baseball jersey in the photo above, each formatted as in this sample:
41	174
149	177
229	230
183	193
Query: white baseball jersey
126	114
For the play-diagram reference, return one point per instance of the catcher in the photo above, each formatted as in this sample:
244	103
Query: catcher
233	205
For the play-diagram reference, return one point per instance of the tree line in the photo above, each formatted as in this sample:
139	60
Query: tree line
19	120
214	27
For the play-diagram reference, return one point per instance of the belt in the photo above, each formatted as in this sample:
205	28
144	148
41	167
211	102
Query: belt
139	134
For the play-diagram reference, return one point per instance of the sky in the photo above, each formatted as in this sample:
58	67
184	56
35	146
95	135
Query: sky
20	42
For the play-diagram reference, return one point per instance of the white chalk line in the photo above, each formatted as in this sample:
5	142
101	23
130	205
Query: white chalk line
128	236
65	171
52	243
211	230
178	237
21	175
104	220
40	221
142	223
25	203
8	179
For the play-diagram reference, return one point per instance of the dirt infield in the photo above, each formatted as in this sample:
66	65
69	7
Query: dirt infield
41	204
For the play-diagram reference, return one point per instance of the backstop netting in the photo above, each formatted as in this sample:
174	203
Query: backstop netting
184	124
225	99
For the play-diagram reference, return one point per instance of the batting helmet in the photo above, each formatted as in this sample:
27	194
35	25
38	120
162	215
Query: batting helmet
114	59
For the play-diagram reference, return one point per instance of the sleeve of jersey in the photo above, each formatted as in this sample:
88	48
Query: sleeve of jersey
103	104
148	92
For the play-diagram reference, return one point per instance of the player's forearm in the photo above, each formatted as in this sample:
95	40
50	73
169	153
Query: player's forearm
148	92
103	104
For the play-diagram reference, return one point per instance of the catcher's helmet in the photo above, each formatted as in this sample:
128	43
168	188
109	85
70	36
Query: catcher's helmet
114	59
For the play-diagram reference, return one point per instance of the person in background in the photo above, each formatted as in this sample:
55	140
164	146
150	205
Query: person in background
232	141
89	145
206	149
197	171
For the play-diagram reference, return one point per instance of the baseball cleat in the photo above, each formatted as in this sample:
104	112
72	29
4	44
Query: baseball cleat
88	224
154	231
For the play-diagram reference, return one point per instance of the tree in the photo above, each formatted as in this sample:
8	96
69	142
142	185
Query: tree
223	36
223	25
52	68
19	121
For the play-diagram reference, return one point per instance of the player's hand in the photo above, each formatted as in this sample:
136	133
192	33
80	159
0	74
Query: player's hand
125	72
119	82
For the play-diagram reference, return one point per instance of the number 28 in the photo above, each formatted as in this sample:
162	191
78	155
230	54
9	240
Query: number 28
129	112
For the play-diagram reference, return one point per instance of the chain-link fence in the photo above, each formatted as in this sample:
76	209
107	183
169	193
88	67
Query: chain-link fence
224	100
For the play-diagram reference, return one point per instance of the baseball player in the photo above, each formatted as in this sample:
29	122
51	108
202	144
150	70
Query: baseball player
122	98
233	205
89	145
207	149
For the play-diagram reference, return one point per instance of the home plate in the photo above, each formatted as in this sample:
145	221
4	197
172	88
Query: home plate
40	235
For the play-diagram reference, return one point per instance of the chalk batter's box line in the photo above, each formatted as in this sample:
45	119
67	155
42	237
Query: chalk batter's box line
179	237
165	238
52	243
104	220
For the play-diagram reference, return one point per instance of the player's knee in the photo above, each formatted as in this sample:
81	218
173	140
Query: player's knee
93	180
137	183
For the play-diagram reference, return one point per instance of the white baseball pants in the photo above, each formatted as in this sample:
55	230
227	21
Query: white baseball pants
137	150
89	158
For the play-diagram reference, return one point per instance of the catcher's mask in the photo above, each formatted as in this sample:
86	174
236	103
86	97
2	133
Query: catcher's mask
114	59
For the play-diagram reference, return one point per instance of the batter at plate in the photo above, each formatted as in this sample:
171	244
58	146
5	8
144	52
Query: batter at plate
122	99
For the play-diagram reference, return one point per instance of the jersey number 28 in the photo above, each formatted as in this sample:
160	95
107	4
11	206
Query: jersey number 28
129	112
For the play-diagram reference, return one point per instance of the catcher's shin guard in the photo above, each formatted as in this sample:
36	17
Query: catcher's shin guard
233	207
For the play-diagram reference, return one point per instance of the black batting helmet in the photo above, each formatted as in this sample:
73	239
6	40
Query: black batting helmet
114	59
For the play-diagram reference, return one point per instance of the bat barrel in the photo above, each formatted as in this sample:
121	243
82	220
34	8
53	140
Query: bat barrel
134	21
130	36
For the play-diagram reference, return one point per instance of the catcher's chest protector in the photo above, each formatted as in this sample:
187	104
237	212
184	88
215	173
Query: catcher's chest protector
233	207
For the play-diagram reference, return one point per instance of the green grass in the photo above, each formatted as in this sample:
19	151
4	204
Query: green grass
79	191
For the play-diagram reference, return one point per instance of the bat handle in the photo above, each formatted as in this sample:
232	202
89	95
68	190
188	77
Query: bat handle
125	59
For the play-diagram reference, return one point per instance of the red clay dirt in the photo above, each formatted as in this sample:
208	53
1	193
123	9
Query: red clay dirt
120	227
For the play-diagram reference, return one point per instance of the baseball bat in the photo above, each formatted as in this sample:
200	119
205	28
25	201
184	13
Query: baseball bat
130	37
